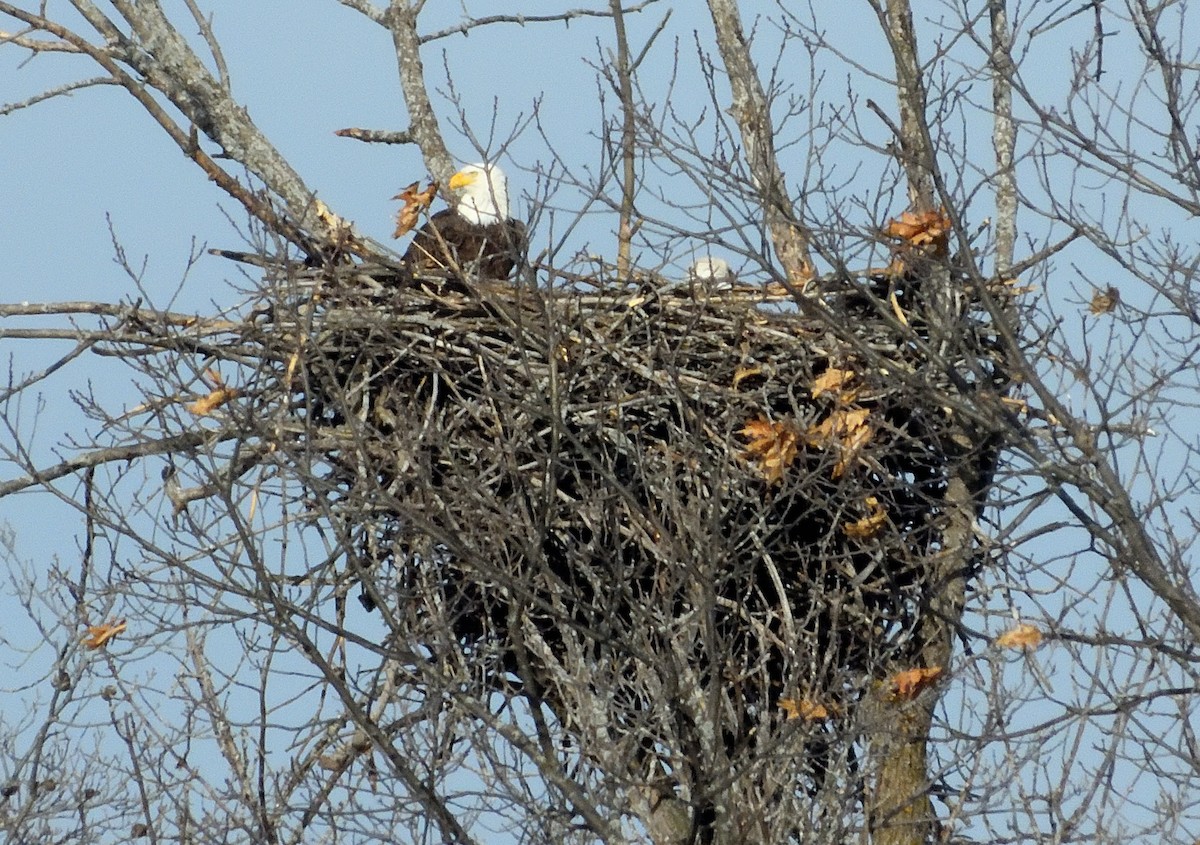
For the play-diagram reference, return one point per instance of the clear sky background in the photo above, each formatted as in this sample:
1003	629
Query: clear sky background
74	166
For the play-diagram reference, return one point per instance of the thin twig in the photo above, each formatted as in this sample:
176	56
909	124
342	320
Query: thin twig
521	20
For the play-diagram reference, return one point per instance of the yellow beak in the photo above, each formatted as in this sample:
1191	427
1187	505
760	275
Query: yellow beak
462	178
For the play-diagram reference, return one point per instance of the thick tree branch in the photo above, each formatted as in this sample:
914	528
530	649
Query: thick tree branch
753	115
1003	138
916	144
623	70
423	123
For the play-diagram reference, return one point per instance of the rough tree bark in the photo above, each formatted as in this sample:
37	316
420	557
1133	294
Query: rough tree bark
751	110
423	127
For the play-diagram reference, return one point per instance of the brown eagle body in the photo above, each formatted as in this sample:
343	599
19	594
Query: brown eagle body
475	235
451	242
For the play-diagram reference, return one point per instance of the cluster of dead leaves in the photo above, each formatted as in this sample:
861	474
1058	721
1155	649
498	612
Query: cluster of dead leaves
869	525
903	686
925	234
1105	301
806	709
847	427
773	446
218	396
416	202
927	231
910	683
907	685
1020	636
98	636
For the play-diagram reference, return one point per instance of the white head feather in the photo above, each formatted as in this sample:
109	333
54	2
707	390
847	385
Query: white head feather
713	272
482	193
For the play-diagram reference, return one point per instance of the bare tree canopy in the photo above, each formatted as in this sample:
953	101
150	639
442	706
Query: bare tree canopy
781	436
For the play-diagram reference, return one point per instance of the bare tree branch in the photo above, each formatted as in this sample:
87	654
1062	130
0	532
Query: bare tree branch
1004	138
49	94
423	127
114	454
623	70
915	141
752	113
465	27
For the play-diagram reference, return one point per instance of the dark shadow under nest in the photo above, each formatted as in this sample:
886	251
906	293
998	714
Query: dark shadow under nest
547	489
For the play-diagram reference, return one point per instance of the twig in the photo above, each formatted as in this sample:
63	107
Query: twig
521	20
60	91
164	446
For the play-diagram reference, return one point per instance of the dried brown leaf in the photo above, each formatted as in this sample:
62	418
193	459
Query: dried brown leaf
835	381
848	429
207	404
773	446
803	708
910	683
416	202
1105	301
97	636
871	524
1022	636
927	231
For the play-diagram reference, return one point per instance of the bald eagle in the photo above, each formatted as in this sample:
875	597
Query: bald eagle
713	273
476	233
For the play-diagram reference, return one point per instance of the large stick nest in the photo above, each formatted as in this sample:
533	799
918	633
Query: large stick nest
584	485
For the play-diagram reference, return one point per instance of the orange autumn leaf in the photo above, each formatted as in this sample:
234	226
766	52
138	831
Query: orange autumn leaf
928	231
846	428
835	381
773	446
416	202
842	424
910	683
869	525
97	636
803	708
1022	636
207	404
219	396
